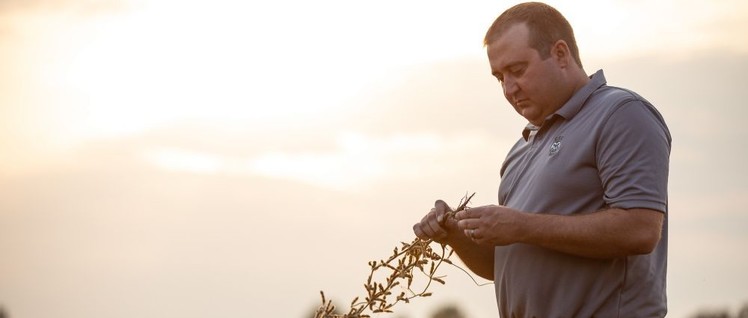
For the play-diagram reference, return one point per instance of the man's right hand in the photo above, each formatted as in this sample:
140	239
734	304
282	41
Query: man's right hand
436	225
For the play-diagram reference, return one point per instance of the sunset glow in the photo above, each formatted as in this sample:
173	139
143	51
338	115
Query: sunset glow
188	156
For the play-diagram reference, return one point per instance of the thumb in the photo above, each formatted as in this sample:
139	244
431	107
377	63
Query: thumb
441	210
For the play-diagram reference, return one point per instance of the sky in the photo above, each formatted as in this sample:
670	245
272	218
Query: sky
163	158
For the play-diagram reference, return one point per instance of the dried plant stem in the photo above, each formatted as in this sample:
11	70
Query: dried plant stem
402	264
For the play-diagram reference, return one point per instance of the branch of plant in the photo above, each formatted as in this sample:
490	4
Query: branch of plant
409	257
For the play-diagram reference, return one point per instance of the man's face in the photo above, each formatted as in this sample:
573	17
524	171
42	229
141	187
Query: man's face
532	85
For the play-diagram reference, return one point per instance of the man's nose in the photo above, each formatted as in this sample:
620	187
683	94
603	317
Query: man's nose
510	87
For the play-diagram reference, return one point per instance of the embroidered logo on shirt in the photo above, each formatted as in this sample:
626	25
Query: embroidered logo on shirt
556	145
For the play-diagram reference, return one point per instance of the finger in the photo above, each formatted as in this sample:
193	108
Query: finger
428	227
441	208
431	212
441	205
419	232
472	234
479	238
466	224
418	227
433	228
467	213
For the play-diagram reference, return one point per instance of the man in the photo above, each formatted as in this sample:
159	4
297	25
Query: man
581	225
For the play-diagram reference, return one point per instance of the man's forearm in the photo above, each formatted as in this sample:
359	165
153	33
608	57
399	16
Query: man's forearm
478	258
610	233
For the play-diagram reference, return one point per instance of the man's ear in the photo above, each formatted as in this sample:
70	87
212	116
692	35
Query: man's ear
561	53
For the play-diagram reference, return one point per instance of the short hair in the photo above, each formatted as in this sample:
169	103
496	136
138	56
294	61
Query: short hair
546	24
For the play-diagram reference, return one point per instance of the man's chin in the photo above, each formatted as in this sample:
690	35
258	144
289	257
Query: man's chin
531	116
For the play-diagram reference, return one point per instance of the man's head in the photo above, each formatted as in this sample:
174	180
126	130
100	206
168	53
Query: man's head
530	53
546	25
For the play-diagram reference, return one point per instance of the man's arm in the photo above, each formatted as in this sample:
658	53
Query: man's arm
436	226
478	258
609	233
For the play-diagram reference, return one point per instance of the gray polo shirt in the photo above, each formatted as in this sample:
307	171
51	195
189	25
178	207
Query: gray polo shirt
606	147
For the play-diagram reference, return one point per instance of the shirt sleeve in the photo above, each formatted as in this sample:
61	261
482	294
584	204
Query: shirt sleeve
633	154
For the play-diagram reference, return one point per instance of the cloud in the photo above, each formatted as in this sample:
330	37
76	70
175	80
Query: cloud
360	160
356	161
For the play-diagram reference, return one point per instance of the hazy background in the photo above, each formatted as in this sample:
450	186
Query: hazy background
221	158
